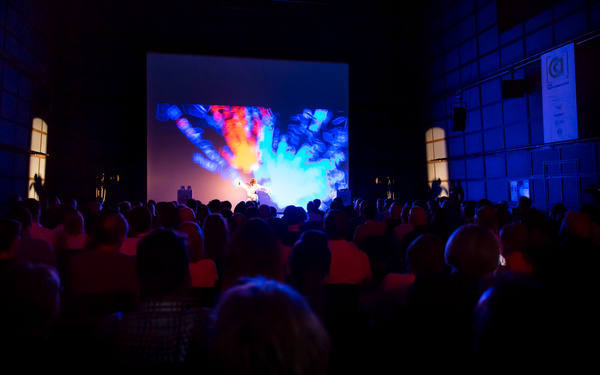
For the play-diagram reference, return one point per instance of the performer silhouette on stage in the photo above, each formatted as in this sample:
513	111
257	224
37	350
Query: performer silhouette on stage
252	188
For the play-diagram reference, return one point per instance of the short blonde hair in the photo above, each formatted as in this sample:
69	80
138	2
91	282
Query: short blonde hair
252	181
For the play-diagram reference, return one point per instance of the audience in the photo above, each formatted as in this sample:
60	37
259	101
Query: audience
468	283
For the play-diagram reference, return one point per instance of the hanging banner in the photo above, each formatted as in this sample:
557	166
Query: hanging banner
559	97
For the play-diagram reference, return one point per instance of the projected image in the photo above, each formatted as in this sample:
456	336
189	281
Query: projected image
218	124
295	158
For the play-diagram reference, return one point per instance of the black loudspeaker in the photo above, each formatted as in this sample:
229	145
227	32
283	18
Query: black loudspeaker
459	119
515	88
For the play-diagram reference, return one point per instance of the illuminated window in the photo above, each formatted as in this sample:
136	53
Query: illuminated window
437	164
37	160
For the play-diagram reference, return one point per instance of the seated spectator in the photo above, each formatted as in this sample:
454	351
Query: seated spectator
203	271
315	221
318	208
102	268
214	206
280	230
140	224
417	218
73	236
349	265
486	217
30	293
424	255
37	229
441	305
162	330
517	326
253	250
514	238
308	266
294	218
186	214
216	237
31	249
265	327
369	229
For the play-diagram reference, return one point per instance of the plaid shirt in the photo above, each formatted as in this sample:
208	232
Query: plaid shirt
159	333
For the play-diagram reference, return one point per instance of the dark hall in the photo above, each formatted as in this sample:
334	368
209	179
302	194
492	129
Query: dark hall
300	187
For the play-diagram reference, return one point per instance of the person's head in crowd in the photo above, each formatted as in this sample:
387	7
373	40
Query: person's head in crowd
516	325
380	204
30	294
336	204
420	203
467	211
124	208
369	211
417	216
236	221
214	206
309	261
253	250
23	216
140	221
266	327
226	204
152	208
240	208
202	212
168	215
524	203
514	238
426	254
317	202
273	211
265	211
575	225
557	212
278	226
33	205
405	213
195	240
192	203
395	211
109	232
252	212
486	217
293	215
226	213
186	214
10	231
473	250
336	224
162	266
216	235
484	202
73	222
310	207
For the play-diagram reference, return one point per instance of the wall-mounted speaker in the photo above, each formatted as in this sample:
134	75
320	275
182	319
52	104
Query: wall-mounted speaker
459	119
515	88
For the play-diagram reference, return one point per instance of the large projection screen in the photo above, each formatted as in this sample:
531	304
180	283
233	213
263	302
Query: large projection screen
213	122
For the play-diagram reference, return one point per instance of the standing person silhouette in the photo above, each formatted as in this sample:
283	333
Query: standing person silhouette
252	189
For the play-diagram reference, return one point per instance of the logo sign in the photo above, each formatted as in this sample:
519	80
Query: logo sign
559	95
